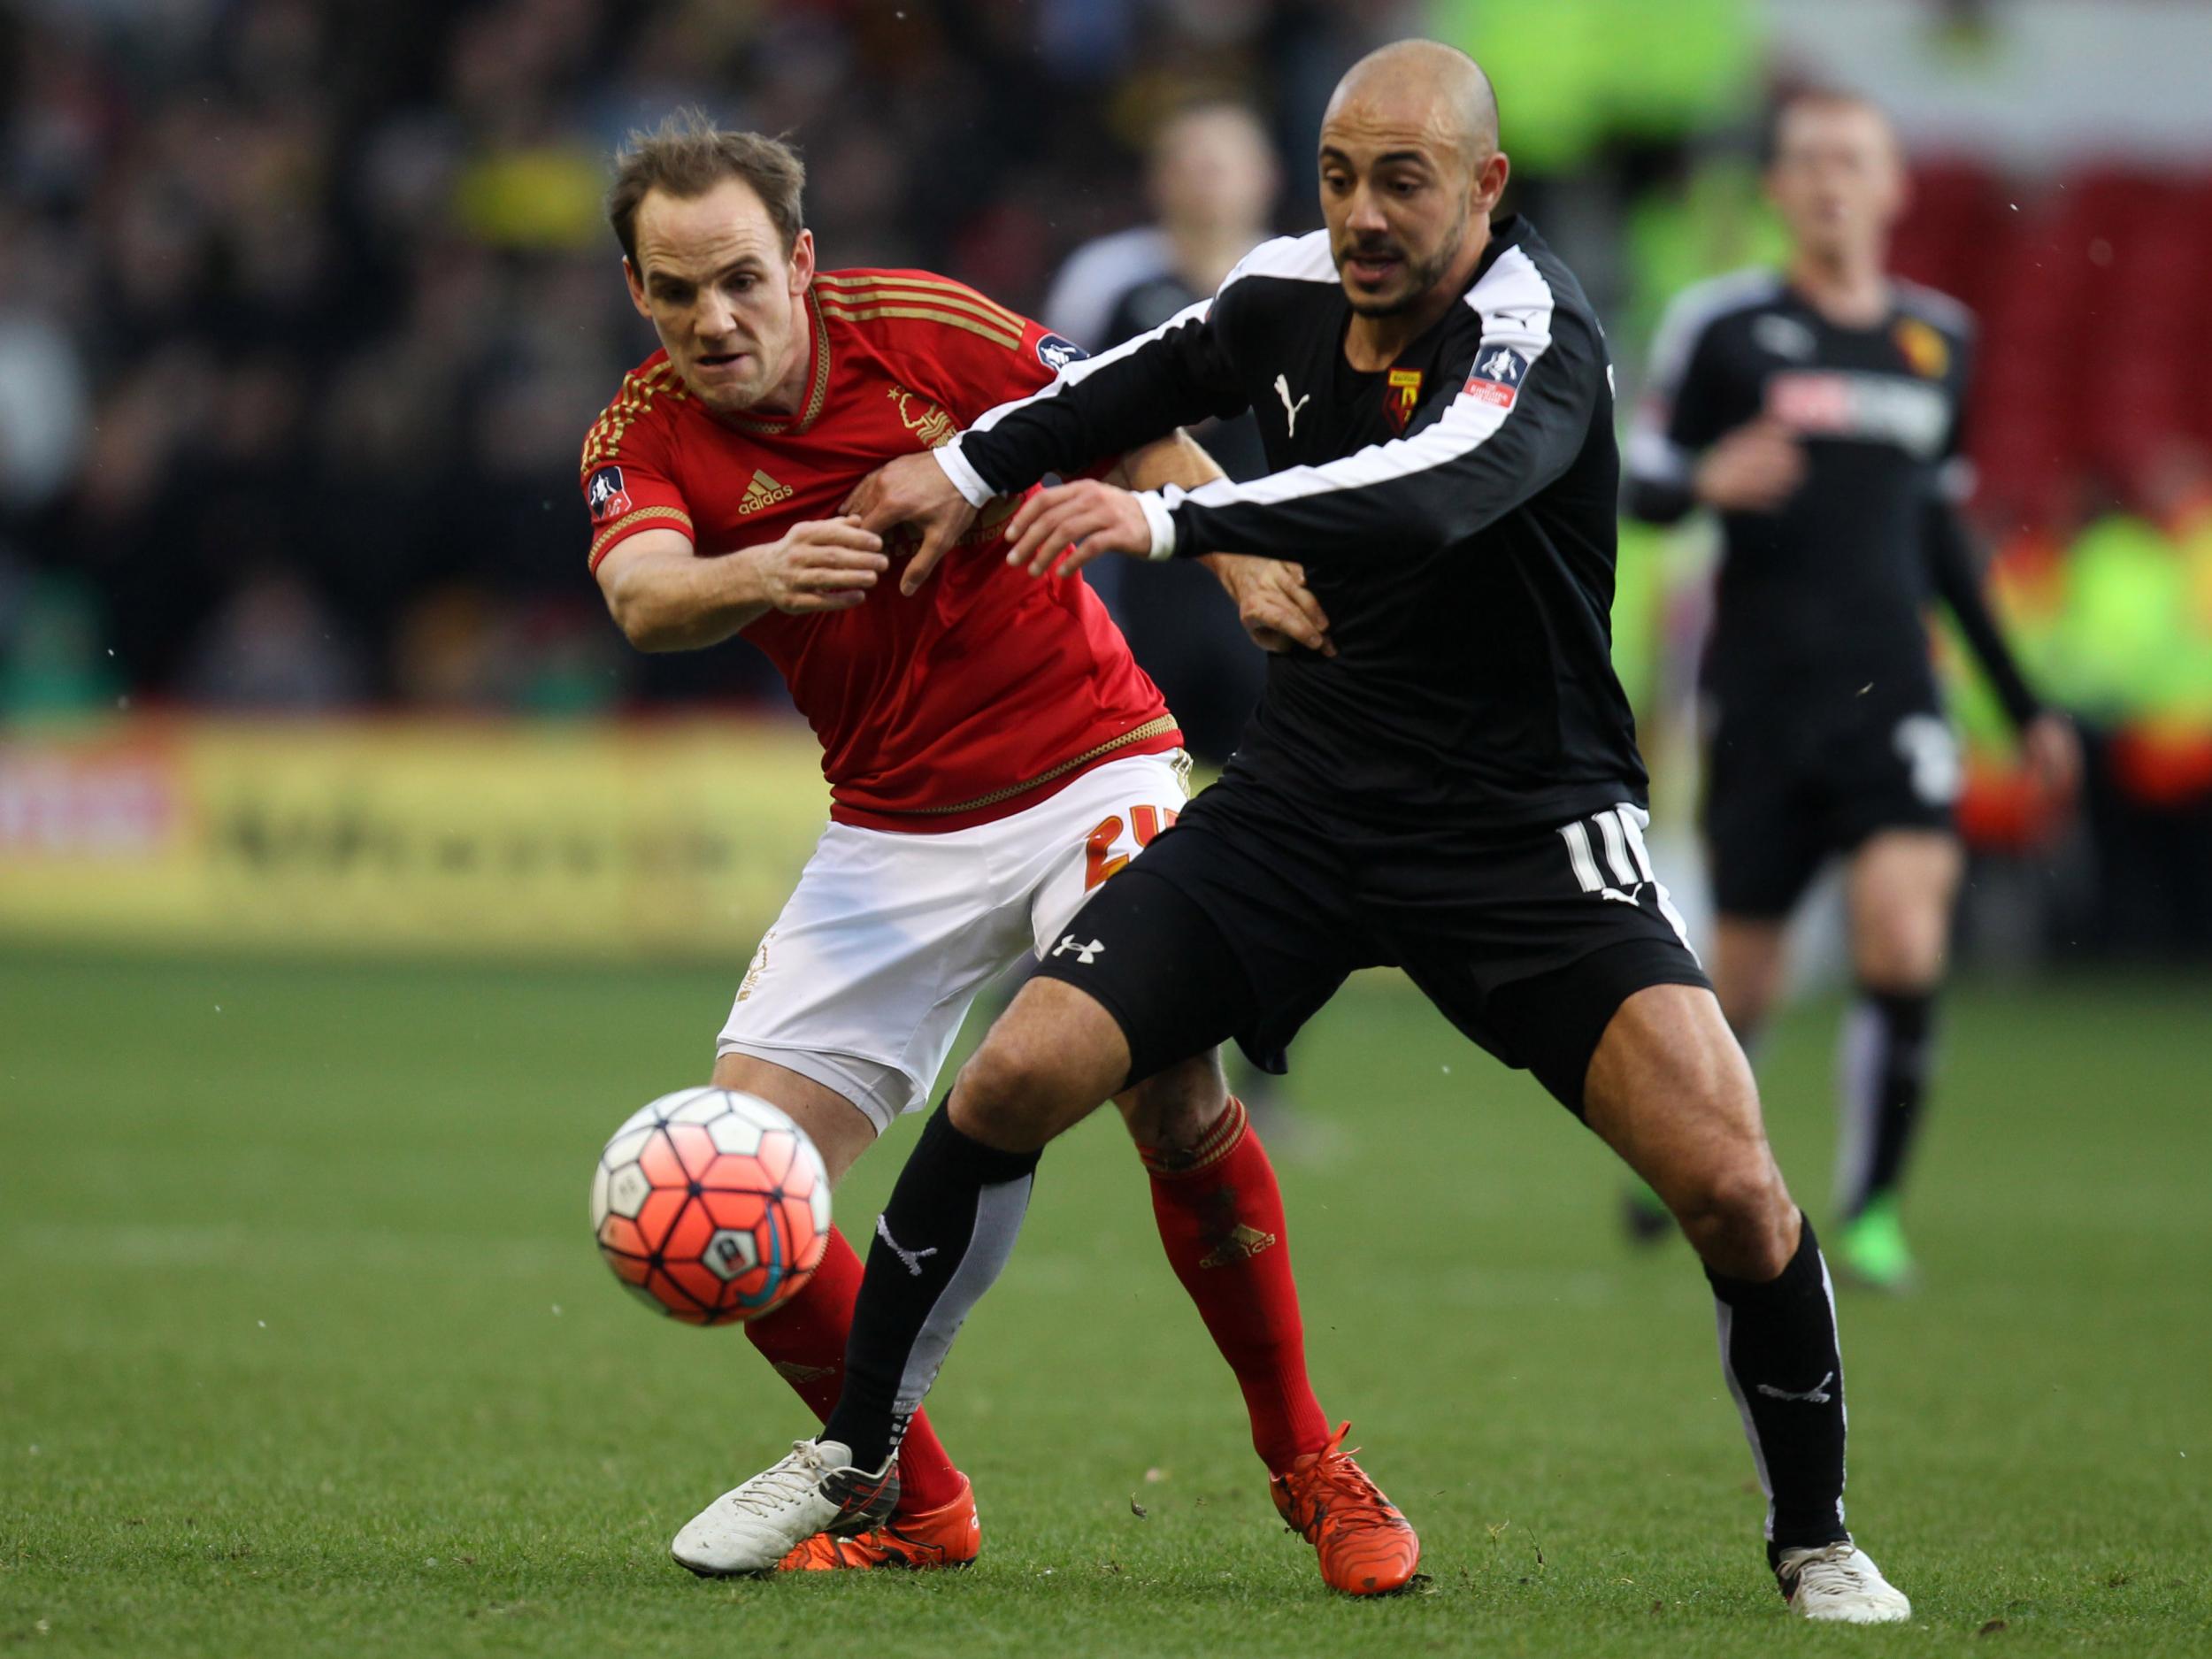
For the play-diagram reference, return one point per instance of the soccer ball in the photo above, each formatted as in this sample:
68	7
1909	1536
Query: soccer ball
711	1206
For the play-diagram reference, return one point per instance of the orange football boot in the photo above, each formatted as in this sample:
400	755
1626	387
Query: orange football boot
1366	1547
947	1536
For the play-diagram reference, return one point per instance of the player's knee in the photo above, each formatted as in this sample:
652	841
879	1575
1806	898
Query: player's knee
1001	1091
1173	1110
1737	1214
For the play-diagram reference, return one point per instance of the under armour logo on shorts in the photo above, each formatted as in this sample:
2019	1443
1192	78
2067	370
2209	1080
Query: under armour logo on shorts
1084	954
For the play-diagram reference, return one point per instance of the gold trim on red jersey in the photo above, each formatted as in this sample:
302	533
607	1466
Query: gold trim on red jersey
606	537
930	299
1159	725
639	387
951	320
943	289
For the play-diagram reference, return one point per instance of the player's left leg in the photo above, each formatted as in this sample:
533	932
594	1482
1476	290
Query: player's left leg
1900	885
1668	1089
1220	1215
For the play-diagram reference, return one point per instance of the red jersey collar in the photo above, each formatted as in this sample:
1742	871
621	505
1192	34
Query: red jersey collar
818	384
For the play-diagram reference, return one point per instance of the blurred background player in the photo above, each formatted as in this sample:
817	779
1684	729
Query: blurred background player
1212	180
960	836
1818	410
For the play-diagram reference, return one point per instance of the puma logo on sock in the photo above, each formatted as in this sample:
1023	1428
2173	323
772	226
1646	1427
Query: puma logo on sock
912	1258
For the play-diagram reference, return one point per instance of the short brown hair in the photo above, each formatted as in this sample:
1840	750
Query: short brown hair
687	155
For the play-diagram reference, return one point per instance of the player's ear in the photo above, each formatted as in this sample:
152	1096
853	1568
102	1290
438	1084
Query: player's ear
637	286
801	261
1490	181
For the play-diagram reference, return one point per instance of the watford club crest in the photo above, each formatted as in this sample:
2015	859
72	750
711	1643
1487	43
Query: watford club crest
1923	347
1402	397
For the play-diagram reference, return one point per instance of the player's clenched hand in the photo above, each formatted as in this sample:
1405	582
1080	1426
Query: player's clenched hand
1277	608
825	564
913	490
1755	468
1063	529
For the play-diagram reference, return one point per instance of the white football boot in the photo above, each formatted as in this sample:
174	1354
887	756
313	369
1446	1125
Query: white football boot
1840	1583
752	1527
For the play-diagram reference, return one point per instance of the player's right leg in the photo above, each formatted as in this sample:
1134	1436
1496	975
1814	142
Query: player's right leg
1668	1089
803	1338
1899	885
845	1014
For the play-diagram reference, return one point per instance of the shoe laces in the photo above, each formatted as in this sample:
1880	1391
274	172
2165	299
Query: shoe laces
783	1485
1334	1472
1846	1569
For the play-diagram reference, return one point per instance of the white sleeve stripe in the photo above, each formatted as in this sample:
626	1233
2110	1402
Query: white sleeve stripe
1652	456
1304	257
1513	285
1083	367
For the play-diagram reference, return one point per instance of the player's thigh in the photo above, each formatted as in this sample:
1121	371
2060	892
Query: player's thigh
862	982
1669	1090
838	1127
1901	886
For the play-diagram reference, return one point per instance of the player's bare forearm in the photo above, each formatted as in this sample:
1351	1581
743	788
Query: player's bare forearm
1179	459
665	597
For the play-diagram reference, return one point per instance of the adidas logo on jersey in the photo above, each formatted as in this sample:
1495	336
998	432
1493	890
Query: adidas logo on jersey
763	491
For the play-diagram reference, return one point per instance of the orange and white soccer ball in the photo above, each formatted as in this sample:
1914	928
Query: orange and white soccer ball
710	1205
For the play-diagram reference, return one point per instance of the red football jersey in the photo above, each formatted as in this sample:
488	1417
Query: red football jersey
981	694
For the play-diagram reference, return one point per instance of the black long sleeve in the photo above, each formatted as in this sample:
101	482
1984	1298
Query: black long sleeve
1108	404
1489	450
1951	566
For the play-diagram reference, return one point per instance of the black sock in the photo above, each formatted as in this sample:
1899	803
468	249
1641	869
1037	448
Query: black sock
940	1243
1882	1077
1778	1350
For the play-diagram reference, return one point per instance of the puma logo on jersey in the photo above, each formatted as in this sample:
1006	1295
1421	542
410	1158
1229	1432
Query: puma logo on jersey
912	1258
1290	410
1084	954
763	491
1242	1244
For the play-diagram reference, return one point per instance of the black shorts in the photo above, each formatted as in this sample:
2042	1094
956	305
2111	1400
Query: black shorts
1243	920
1781	800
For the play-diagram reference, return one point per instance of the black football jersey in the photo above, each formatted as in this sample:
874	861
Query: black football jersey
1822	603
1455	513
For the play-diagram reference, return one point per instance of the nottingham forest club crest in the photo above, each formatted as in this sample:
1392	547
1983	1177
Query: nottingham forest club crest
1401	397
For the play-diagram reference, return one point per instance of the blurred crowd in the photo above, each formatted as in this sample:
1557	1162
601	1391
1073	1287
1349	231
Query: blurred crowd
304	305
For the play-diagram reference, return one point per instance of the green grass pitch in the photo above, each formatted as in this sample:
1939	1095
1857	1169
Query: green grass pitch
305	1349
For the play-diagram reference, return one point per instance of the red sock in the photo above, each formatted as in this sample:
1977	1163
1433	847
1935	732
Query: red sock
1221	1219
804	1339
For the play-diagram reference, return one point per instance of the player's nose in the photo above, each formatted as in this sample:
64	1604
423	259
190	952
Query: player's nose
1366	212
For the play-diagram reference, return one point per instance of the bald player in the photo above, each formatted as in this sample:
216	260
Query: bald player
1455	790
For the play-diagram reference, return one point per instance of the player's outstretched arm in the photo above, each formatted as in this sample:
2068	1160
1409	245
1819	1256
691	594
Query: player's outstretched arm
665	597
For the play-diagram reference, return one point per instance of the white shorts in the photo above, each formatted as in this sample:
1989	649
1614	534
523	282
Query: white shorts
863	981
